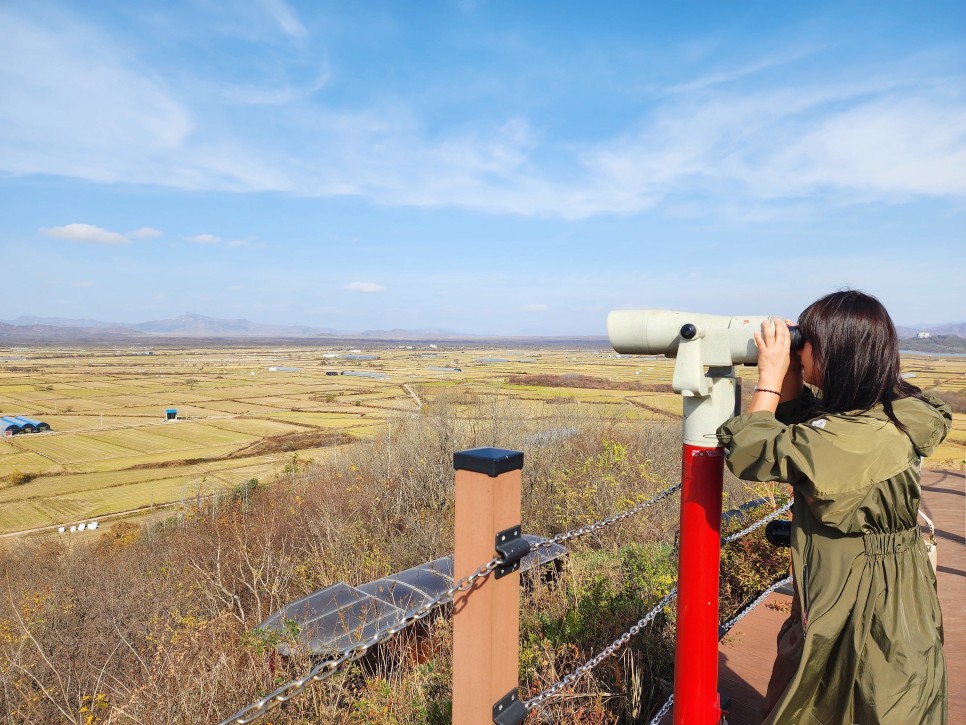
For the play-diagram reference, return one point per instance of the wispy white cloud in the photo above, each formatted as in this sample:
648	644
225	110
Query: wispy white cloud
145	233
72	100
205	239
730	75
735	139
364	287
287	19
85	234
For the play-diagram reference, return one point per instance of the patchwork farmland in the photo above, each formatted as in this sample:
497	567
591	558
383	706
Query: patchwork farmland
111	449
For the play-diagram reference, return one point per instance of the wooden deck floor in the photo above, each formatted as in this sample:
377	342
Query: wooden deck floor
746	654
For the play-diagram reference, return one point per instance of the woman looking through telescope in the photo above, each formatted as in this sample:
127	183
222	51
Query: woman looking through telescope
863	643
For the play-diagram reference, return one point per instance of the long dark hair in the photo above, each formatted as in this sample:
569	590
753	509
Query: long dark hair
855	353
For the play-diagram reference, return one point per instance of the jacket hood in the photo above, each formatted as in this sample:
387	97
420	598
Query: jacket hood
927	421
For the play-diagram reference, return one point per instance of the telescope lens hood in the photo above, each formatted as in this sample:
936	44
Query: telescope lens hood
779	533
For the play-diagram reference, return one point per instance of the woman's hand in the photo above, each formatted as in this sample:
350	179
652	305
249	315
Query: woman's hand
774	352
774	359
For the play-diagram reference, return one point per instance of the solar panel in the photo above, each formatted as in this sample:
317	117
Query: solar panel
339	616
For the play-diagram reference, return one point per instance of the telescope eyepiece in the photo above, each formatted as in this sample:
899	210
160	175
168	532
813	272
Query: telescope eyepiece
798	339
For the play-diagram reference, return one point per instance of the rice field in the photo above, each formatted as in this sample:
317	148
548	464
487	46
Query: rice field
111	449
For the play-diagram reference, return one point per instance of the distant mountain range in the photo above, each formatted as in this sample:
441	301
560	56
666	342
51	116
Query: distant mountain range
949	328
61	329
30	329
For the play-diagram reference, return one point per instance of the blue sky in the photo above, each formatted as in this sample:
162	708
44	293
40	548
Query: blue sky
482	167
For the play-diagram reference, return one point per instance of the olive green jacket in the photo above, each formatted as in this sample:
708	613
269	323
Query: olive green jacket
864	641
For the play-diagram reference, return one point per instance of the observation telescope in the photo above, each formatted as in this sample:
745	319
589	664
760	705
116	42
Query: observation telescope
706	349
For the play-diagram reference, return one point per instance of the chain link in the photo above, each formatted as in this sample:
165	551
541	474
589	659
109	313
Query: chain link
335	662
537	701
761	522
604	523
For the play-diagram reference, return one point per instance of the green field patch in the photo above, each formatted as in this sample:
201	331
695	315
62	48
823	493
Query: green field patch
73	484
276	402
25	461
91	422
197	433
151	461
89	406
327	419
73	447
253	426
135	401
6	388
65	508
141	440
19	515
235	407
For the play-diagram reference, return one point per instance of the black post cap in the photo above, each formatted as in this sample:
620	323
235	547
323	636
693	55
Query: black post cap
491	461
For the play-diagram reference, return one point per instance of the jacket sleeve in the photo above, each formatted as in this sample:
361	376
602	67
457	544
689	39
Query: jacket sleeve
938	428
758	447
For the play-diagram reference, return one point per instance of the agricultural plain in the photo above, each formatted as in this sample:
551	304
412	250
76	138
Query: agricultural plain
112	452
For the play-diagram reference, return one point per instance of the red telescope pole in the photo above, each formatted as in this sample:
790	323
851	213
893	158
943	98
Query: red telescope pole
706	349
696	700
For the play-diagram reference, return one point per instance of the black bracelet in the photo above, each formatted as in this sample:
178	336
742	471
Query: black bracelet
766	390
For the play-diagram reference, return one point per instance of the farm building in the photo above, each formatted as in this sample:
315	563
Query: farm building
10	427
438	369
171	414
361	357
281	369
363	374
14	424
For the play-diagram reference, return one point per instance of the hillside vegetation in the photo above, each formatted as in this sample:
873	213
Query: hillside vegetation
156	625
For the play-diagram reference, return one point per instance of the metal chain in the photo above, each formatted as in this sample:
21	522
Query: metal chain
761	597
757	524
603	524
537	701
334	663
666	707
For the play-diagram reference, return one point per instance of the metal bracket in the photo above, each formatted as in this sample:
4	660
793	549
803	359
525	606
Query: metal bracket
512	547
509	710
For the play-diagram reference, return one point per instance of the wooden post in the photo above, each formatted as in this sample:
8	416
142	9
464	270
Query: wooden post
486	619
